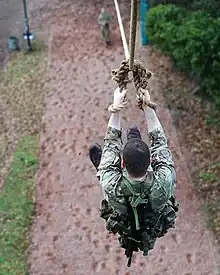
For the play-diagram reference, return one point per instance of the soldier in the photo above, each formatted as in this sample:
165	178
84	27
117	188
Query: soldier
104	20
125	176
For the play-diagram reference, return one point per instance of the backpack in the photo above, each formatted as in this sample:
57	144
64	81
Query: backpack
140	225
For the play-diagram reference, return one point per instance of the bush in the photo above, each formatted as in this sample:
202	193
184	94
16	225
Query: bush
161	24
153	3
210	6
192	39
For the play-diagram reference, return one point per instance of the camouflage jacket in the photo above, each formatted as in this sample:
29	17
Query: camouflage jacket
111	173
104	18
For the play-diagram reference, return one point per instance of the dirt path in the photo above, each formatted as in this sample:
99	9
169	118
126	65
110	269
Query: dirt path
68	236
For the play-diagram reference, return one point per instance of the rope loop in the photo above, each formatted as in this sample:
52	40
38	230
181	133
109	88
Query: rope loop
120	76
141	77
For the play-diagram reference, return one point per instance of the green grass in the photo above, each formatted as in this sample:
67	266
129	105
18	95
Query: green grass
209	189
212	210
17	207
21	98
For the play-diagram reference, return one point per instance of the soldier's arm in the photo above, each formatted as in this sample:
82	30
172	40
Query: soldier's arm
153	122
161	162
100	19
109	18
110	171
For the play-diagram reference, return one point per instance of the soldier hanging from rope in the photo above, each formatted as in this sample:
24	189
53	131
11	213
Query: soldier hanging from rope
137	181
104	20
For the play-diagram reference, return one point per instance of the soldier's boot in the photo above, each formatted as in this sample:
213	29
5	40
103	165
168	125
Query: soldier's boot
95	154
133	132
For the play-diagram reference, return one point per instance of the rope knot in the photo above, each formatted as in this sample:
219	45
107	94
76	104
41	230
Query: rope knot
120	76
140	78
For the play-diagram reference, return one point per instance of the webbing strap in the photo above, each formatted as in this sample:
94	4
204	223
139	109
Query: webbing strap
137	224
137	197
129	186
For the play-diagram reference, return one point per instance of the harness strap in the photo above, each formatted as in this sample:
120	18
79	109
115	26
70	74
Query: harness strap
135	197
137	224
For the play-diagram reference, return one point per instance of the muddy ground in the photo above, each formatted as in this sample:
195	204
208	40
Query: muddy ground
68	236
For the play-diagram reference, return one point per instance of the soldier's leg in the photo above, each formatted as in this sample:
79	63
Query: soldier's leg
107	31
103	32
95	154
133	132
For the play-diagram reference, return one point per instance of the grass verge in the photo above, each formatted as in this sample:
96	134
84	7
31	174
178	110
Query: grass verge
21	101
17	207
208	185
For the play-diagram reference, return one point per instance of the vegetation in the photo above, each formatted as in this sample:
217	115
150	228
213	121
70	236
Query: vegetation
209	187
17	207
191	38
21	102
211	6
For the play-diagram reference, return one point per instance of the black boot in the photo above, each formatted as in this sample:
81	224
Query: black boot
95	153
133	132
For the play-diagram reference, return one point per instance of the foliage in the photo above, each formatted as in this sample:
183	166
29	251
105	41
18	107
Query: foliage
192	40
210	190
21	97
210	6
17	207
153	3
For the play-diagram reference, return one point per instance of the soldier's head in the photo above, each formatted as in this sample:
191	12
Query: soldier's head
136	157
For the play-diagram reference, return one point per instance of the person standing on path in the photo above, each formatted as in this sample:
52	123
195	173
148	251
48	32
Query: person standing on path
104	20
130	178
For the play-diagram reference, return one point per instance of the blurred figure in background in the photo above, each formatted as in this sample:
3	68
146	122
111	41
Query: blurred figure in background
104	20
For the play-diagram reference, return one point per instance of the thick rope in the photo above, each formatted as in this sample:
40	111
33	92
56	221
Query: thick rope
141	77
133	27
123	37
140	74
121	77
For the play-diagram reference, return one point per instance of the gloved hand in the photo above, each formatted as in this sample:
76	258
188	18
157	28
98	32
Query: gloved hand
119	101
119	97
143	99
146	97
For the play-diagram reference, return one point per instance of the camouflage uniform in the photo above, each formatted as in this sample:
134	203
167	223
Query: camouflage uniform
104	21
110	172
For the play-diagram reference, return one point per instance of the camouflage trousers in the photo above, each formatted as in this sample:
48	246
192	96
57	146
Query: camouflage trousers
105	30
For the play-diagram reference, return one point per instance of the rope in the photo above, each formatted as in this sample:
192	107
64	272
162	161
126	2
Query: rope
123	37
140	74
141	77
133	27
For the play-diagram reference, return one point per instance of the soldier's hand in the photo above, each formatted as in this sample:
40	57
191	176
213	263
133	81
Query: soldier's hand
119	97
143	98
146	97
